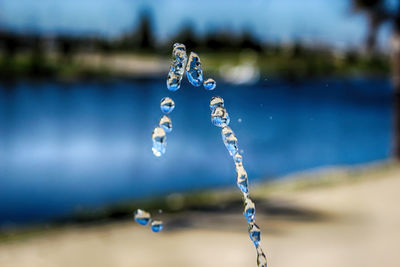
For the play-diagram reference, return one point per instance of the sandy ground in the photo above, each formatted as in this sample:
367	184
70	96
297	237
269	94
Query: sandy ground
352	225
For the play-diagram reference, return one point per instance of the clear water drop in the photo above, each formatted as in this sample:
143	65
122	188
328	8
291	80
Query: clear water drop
238	158
166	123
173	81
167	105
177	68
159	141
209	84
216	101
156	226
179	52
220	117
254	233
249	210
230	140
261	258
242	180
194	72
142	217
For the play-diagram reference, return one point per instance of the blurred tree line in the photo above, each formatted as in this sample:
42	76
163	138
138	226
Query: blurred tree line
37	55
379	12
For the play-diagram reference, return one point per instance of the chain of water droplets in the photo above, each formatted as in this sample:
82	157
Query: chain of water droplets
220	118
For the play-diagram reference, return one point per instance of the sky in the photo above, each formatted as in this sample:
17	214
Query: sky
328	22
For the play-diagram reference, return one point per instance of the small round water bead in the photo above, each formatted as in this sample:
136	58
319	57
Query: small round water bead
167	105
209	84
156	226
142	217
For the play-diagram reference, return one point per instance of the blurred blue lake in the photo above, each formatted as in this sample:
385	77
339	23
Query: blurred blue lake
86	144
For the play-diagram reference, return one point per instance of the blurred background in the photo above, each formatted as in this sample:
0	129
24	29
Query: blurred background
313	91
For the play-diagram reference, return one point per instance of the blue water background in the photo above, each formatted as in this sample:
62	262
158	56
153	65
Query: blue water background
88	143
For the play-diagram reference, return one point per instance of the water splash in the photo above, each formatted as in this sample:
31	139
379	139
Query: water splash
194	72
166	123
159	138
209	84
220	118
167	105
177	67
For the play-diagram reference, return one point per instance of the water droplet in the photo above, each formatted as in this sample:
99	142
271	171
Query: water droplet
173	81
254	233
249	210
209	84
177	67
220	117
167	105
142	217
238	158
239	120
242	180
261	259
156	226
159	141
230	140
166	123
216	101
194	71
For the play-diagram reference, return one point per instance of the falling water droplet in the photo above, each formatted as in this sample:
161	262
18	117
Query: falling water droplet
156	226
249	210
177	67
230	140
159	141
209	84
261	259
167	105
238	158
194	71
242	180
166	123
220	117
142	217
216	101
254	233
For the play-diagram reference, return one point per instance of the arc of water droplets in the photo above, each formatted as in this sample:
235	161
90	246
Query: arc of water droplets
143	217
220	118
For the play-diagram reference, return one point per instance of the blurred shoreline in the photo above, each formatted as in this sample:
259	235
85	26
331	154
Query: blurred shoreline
314	216
224	200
